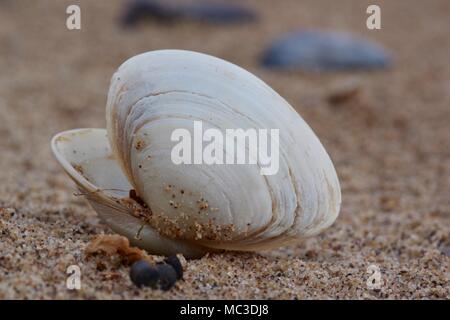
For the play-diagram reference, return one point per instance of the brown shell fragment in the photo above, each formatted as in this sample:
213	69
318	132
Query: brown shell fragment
113	244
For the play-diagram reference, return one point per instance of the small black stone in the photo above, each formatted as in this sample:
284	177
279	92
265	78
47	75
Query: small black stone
143	273
176	264
167	276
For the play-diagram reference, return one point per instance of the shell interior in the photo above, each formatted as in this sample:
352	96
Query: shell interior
86	157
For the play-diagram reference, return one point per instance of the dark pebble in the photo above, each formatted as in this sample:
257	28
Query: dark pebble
167	276
140	10
142	273
218	13
162	276
176	264
324	51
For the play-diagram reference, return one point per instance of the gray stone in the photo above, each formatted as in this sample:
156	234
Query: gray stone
324	51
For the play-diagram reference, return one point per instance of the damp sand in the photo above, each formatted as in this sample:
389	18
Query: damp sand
388	138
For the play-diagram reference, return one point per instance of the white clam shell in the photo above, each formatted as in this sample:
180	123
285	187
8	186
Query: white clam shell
86	157
153	94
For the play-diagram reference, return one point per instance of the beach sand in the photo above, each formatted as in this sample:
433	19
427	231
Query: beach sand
389	143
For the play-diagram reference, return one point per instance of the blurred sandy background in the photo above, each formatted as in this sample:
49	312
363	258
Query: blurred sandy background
390	146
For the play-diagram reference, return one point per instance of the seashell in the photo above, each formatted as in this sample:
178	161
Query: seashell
196	208
138	10
324	51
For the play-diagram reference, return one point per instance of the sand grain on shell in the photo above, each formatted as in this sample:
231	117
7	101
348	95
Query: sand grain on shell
389	144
